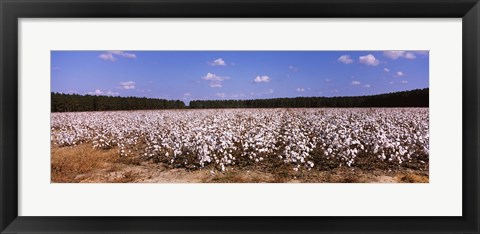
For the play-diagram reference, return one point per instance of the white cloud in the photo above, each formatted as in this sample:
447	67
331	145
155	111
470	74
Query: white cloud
187	94
110	93
327	80
294	69
215	80
300	90
127	85
123	54
128	55
215	85
369	60
218	62
386	70
356	82
269	91
213	77
261	79
112	55
400	73
108	57
404	82
391	82
410	55
221	95
98	92
367	86
345	59
395	54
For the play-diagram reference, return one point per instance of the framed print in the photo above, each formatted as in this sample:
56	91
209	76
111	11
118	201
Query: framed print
232	125
227	116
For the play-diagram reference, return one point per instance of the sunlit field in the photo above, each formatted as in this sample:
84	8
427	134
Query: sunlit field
296	144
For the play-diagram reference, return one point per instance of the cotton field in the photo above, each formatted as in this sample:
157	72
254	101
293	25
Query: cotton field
222	139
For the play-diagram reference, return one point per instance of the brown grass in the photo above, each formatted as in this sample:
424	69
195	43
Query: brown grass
349	178
244	177
127	177
68	164
413	178
87	165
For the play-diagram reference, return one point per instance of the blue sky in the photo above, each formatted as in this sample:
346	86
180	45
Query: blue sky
202	75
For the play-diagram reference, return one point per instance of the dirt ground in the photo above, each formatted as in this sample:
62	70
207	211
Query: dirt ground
83	164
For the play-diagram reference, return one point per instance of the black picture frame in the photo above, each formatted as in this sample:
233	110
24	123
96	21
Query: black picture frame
11	11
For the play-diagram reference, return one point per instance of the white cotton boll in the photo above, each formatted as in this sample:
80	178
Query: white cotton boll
290	136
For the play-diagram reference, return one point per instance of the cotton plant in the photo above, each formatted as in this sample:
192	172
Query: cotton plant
225	137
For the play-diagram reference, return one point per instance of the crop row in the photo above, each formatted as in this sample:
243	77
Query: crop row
302	138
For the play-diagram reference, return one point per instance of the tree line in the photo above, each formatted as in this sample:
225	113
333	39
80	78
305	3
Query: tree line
413	98
74	102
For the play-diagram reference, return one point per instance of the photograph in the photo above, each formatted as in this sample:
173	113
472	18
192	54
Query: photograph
125	116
